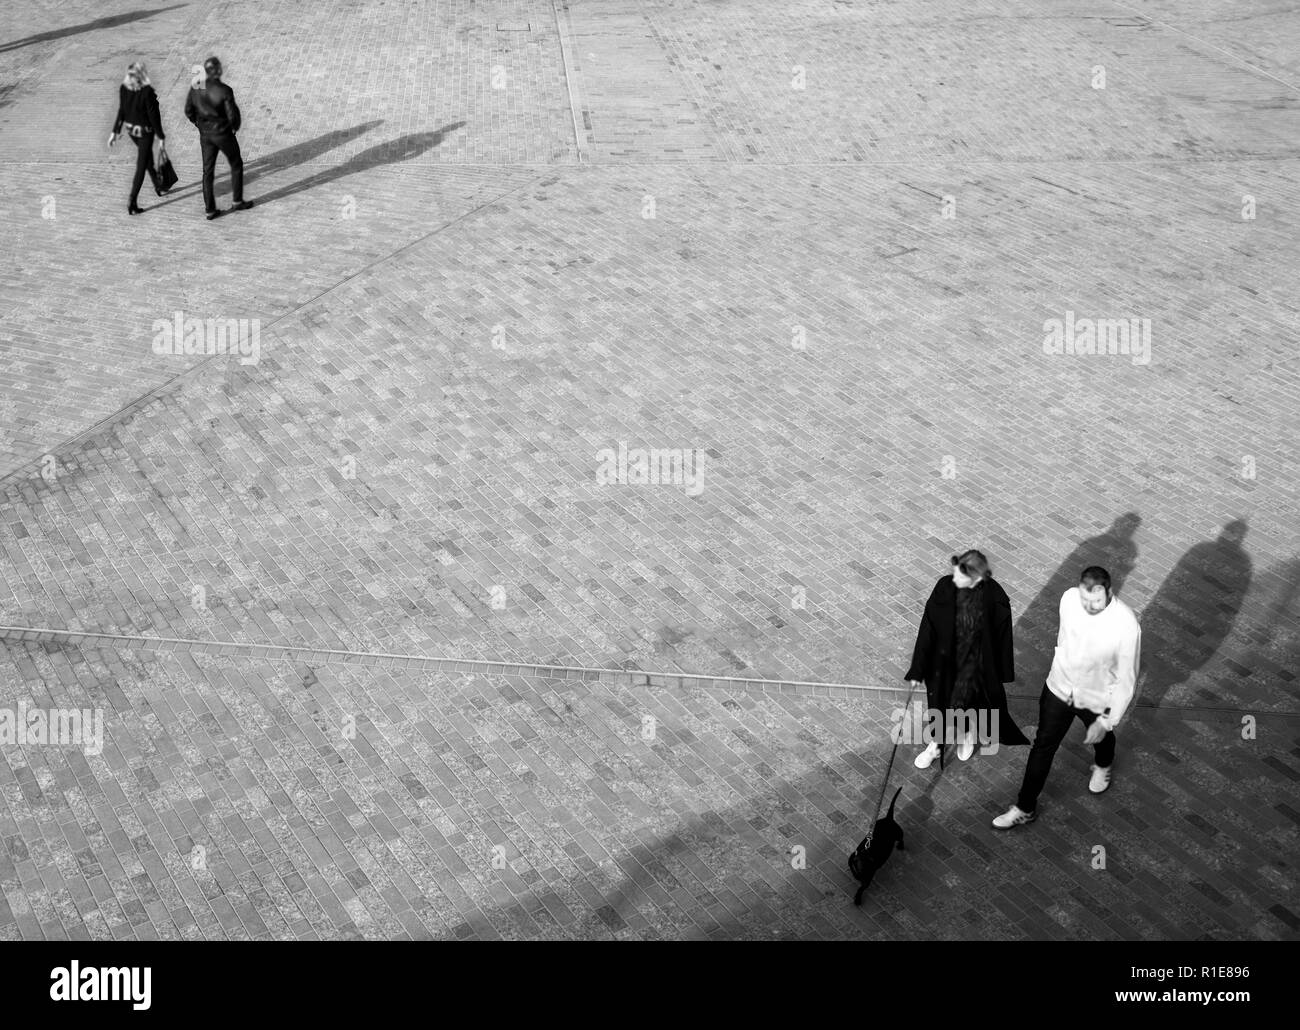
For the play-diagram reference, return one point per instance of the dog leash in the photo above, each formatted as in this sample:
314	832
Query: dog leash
884	786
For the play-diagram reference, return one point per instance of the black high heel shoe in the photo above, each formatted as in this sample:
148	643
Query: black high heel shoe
134	209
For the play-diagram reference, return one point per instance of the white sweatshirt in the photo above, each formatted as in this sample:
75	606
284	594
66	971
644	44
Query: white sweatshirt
1096	662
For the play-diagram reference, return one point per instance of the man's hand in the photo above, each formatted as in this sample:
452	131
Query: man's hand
1095	732
916	683
112	138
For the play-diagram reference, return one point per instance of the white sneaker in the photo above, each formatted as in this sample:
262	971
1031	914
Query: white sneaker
1100	780
966	747
926	758
1013	817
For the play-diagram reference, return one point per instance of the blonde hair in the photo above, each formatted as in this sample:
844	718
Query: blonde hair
136	76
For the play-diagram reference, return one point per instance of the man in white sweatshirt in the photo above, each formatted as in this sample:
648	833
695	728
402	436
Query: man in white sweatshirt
1093	677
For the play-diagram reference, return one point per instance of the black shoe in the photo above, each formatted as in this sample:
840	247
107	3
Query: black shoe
161	193
134	209
243	205
215	214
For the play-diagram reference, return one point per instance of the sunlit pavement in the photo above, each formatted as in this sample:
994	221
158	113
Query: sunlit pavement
817	247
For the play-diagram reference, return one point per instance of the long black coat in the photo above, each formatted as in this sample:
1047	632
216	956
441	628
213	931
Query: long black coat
934	659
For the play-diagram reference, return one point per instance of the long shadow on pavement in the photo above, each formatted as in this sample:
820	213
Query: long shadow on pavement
299	153
734	846
1192	613
402	149
109	22
734	867
746	853
778	900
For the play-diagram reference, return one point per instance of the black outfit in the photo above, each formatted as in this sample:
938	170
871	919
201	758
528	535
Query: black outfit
964	652
1054	718
966	688
137	110
213	111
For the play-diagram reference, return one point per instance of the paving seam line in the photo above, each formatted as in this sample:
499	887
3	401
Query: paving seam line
579	140
1241	62
133	407
437	663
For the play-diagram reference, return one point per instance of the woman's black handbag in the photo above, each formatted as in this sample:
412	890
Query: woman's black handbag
167	176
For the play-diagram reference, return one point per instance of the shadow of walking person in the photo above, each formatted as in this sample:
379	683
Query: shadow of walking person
1192	613
1035	630
299	153
772	862
752	840
109	22
308	150
394	151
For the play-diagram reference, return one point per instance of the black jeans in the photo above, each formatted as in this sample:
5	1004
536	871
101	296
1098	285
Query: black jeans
1054	718
228	145
143	164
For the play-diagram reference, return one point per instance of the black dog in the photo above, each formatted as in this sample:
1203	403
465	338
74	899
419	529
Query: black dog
866	859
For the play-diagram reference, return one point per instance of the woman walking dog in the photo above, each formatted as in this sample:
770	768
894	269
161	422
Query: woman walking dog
963	655
138	117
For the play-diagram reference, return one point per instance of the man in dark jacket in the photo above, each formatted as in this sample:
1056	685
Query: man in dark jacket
211	108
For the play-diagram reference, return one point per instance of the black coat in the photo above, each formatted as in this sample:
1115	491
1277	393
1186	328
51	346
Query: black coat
139	107
934	659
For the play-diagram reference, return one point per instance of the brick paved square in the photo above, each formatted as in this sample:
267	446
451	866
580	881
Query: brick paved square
384	638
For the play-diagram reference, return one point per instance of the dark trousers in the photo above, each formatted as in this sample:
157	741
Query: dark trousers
143	164
228	145
1054	719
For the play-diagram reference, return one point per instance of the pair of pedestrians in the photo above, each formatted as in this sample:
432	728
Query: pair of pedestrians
210	107
964	655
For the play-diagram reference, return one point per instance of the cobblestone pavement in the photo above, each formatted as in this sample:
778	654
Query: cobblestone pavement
492	240
602	833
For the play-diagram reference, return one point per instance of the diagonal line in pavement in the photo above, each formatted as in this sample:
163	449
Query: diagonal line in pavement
134	405
579	141
1206	43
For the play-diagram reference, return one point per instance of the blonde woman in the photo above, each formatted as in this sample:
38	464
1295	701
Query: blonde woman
138	117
